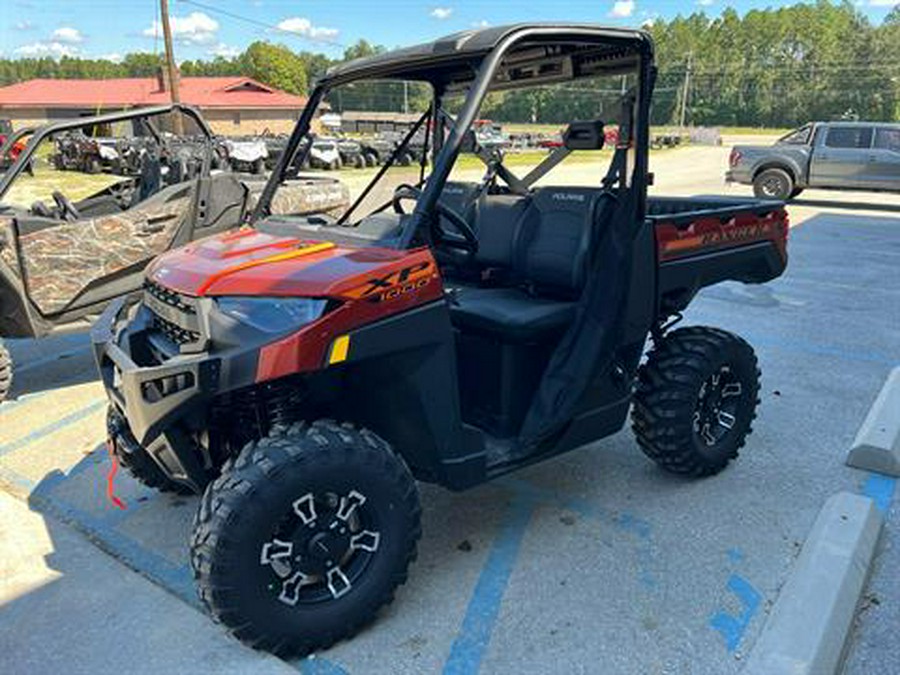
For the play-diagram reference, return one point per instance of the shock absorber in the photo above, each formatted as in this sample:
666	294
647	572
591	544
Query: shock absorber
284	403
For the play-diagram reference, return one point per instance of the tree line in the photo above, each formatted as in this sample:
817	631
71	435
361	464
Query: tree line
772	67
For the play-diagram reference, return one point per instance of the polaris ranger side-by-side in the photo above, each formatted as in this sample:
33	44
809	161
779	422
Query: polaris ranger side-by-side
303	373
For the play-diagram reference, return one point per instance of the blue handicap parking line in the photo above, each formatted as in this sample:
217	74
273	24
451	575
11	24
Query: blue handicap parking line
880	489
42	499
53	358
478	624
8	406
732	628
51	428
319	666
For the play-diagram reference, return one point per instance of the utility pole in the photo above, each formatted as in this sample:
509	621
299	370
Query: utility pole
171	68
685	91
406	97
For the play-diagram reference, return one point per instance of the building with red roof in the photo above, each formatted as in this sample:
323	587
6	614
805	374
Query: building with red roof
231	105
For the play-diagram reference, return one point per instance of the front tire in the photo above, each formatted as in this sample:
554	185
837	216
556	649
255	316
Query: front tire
773	184
696	400
6	372
137	461
304	536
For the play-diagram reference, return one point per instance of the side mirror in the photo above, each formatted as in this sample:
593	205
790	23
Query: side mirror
584	135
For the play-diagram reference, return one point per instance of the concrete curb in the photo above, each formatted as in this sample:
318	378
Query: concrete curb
877	444
808	626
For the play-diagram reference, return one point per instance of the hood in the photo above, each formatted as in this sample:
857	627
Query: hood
249	262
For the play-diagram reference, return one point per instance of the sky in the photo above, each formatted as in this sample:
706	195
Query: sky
203	29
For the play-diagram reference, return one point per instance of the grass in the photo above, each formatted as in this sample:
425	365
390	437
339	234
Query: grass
75	185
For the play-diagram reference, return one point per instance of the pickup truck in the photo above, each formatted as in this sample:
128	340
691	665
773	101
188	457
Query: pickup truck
830	155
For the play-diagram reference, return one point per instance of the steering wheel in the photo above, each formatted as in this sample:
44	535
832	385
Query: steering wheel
469	241
66	207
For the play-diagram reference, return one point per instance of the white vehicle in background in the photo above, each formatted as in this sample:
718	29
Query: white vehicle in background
247	156
325	154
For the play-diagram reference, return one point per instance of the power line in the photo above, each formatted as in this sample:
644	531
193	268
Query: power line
263	24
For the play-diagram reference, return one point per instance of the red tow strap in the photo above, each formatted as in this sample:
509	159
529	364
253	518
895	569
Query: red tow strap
111	476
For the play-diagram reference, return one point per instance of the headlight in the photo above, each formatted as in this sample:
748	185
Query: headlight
273	315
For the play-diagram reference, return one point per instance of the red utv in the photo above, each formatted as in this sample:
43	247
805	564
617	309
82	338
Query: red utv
301	375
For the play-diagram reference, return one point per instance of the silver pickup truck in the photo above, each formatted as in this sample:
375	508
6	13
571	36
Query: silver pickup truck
832	155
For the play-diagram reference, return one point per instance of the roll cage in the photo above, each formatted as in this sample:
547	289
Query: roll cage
41	133
474	62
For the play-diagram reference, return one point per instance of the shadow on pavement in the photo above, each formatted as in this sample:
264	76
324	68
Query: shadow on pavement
44	364
68	608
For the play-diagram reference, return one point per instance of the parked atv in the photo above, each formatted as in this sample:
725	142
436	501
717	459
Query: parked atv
70	242
12	146
376	150
351	153
324	154
303	374
75	151
247	156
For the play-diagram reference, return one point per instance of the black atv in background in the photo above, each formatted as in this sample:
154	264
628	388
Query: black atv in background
76	151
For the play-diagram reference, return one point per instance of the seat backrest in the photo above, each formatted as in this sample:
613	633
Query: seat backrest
496	220
497	223
555	241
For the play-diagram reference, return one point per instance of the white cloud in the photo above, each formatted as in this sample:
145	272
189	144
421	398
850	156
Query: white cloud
302	26
442	13
622	9
705	3
115	57
52	49
481	24
67	34
225	51
23	25
883	3
196	28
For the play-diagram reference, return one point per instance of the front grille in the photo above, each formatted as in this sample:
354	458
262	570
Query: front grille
175	333
174	315
169	297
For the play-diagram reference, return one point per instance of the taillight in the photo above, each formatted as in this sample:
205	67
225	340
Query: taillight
734	158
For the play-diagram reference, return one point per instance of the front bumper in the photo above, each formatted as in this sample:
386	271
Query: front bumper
166	403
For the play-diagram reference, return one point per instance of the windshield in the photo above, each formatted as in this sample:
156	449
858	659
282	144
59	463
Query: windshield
375	134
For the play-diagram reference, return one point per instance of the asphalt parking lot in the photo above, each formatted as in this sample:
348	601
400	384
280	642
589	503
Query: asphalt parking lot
595	561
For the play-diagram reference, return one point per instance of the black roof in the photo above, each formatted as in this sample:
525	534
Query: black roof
419	61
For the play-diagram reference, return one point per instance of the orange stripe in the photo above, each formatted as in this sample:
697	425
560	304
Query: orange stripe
308	250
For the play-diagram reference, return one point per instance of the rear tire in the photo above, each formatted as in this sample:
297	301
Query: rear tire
135	460
6	372
773	184
696	400
304	536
